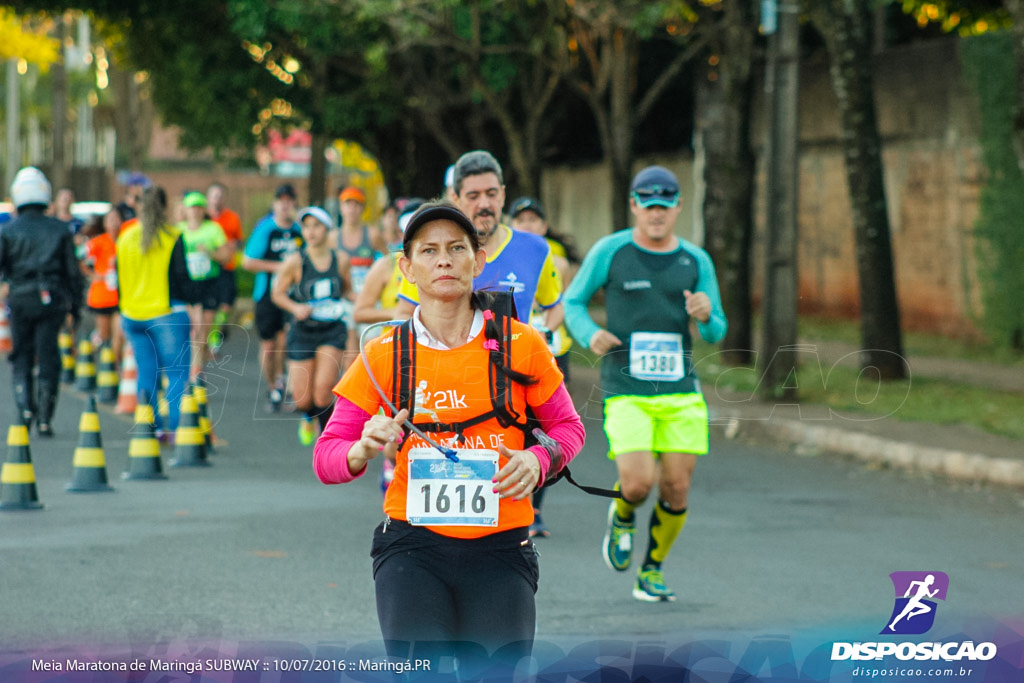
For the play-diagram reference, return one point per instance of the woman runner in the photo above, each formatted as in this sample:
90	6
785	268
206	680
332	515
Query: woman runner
454	568
311	285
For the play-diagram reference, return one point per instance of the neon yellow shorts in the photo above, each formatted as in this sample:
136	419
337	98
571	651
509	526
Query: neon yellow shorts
672	423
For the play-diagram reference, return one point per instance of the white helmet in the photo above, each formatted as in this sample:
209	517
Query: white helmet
30	186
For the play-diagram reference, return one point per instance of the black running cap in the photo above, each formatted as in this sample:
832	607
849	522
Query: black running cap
428	213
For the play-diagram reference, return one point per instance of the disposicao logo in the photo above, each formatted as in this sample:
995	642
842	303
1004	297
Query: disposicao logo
916	592
913	614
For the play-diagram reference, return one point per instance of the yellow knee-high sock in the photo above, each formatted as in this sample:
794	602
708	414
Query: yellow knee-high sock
666	524
623	508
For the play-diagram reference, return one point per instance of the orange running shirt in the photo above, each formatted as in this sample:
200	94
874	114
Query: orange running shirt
452	386
232	226
102	291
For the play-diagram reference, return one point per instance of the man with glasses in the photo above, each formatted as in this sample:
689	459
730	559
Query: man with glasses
655	284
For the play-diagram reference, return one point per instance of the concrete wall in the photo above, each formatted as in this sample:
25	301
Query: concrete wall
929	121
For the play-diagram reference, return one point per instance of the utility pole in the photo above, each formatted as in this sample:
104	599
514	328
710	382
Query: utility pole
61	162
779	351
12	106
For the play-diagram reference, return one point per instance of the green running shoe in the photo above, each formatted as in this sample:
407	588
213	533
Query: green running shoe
307	431
650	586
618	541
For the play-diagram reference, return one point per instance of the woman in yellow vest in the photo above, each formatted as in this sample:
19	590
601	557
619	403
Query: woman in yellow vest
154	285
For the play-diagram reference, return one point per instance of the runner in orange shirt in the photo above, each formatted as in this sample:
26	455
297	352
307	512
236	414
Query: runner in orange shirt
454	541
227	288
100	268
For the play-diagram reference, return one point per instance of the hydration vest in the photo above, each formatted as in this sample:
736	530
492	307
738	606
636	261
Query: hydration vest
502	409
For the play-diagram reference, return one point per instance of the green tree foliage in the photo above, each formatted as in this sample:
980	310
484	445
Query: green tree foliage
477	73
989	65
603	39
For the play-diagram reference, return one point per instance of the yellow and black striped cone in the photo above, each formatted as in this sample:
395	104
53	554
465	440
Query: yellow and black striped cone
189	444
66	344
85	367
205	426
90	464
107	380
163	406
143	448
18	476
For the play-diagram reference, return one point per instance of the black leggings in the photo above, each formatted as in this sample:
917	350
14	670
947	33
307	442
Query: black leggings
34	331
439	596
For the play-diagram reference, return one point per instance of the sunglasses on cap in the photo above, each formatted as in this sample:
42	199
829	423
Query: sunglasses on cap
656	195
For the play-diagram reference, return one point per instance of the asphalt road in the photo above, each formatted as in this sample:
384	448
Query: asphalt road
254	549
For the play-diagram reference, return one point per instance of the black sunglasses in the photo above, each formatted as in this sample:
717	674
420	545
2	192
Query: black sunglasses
646	194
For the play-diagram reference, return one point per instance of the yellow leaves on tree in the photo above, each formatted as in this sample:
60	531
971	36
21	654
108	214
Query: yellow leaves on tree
18	40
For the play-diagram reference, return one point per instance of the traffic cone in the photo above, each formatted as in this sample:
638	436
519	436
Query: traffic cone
6	341
85	367
205	426
163	406
67	358
189	444
129	386
107	379
18	476
143	448
90	465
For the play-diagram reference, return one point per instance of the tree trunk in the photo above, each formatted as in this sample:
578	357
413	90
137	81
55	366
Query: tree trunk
848	35
619	148
59	75
320	139
318	168
779	352
723	122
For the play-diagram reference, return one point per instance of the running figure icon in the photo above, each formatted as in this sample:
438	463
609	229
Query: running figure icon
915	607
916	596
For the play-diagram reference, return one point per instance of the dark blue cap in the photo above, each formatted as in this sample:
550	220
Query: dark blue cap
655	186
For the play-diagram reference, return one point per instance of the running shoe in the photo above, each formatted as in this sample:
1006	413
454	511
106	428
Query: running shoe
274	400
538	528
307	431
214	341
276	396
650	586
618	541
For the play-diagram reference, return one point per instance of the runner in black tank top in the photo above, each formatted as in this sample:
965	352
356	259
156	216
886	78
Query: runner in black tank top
311	285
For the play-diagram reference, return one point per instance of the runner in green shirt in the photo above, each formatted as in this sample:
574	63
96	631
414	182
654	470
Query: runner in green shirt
206	249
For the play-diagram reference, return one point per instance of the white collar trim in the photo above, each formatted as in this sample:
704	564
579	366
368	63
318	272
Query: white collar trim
424	337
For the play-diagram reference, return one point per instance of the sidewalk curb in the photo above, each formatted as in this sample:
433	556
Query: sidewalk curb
871	448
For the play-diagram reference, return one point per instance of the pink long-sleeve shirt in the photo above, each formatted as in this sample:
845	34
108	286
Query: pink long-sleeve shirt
557	416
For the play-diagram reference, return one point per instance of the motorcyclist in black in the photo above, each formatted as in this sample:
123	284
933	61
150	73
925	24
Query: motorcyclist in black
37	260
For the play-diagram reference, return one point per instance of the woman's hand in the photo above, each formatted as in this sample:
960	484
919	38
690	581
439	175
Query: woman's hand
519	476
302	311
381	436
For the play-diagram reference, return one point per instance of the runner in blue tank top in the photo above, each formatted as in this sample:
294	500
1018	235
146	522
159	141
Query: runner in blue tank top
364	245
656	420
515	260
